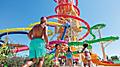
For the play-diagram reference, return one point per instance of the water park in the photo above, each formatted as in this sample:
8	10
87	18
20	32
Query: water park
69	33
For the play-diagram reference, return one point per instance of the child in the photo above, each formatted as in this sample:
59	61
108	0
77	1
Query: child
86	52
57	51
69	57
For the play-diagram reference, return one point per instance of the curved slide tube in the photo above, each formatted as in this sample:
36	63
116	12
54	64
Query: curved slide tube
93	35
27	48
80	43
53	24
77	18
68	4
14	30
57	42
17	32
20	29
20	49
94	41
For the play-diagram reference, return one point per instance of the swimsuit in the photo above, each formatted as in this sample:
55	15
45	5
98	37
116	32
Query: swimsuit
37	48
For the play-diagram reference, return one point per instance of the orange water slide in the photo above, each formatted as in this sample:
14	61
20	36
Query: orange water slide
96	61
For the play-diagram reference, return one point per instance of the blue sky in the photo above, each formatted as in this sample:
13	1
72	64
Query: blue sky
21	13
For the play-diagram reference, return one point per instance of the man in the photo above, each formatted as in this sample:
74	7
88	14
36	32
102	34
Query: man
37	45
